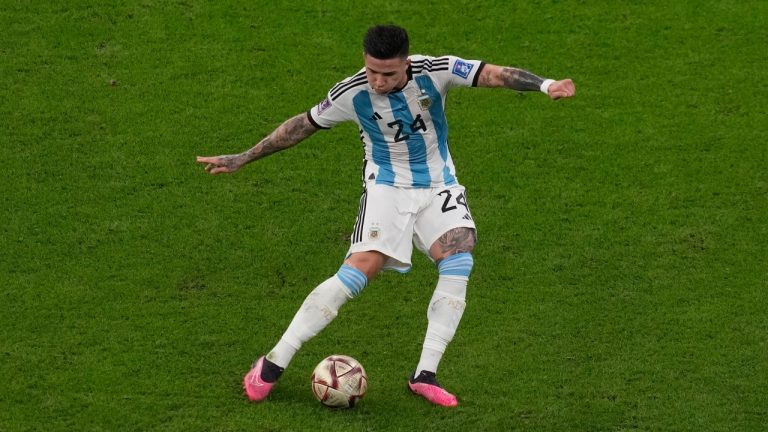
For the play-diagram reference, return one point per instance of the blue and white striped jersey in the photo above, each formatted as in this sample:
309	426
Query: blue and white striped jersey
405	133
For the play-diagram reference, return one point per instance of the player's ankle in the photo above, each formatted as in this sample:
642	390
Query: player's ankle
270	372
425	377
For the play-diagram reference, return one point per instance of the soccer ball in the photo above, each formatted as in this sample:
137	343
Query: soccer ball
339	381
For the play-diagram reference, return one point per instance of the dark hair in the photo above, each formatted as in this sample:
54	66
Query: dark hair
385	42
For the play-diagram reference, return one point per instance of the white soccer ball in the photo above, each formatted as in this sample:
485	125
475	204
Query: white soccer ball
339	381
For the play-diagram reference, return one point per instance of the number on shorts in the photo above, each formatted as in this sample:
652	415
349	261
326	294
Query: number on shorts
460	200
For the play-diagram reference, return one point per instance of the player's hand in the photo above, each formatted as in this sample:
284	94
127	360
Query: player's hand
561	89
221	164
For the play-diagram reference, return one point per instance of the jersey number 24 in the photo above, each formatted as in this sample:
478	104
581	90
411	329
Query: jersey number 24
417	125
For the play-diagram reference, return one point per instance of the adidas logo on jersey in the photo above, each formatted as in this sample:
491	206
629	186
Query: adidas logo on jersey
376	116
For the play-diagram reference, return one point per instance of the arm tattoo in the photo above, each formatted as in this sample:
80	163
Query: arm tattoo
288	134
519	79
457	240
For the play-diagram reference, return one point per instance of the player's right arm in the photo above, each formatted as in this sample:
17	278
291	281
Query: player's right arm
288	134
523	80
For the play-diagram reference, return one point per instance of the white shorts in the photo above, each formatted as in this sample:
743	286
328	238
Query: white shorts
392	219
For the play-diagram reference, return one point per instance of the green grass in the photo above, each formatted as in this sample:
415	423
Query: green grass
620	277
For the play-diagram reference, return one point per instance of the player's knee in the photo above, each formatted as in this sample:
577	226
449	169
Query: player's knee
455	241
466	240
353	279
369	263
459	264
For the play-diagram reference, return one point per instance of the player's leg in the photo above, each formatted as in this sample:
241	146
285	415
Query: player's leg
376	244
318	310
452	253
322	305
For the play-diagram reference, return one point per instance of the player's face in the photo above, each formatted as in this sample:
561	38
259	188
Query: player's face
386	75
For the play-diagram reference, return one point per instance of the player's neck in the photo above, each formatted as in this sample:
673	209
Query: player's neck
401	85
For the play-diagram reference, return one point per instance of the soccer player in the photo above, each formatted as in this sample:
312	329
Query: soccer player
411	193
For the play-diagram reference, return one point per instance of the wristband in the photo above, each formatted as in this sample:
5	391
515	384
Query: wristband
545	85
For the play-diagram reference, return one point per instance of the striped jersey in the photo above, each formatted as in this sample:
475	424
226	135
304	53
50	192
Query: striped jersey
405	133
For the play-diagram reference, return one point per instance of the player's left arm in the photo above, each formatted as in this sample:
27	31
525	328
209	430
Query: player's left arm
523	80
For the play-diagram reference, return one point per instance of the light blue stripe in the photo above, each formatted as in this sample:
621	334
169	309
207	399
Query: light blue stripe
417	149
440	123
352	278
459	264
380	150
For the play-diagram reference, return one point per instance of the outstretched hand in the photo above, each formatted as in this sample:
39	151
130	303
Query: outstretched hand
561	89
220	164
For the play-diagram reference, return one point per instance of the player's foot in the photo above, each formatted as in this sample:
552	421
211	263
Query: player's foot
258	382
426	386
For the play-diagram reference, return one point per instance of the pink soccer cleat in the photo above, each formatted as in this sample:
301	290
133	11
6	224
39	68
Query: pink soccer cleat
426	386
256	388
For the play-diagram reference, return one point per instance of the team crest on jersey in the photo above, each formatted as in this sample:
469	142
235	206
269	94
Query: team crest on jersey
324	105
373	234
424	101
462	68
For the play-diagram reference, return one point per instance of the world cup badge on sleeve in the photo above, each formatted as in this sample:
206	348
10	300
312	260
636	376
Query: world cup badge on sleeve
324	105
462	68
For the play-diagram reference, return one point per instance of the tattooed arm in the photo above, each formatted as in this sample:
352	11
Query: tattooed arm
288	134
522	80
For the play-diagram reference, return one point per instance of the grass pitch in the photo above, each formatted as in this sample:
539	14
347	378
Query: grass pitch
622	267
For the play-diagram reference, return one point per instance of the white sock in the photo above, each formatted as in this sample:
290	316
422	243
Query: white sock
318	310
445	311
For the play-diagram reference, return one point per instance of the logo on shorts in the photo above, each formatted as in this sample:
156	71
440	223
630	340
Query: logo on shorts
373	234
462	68
324	105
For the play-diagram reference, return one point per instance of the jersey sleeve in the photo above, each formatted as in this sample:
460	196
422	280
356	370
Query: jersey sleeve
331	110
325	114
459	73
